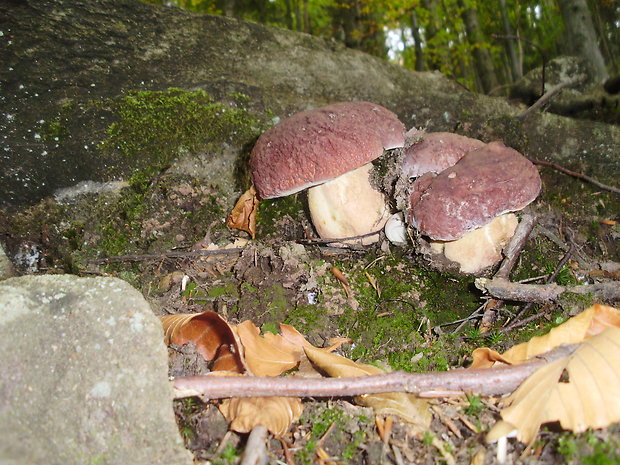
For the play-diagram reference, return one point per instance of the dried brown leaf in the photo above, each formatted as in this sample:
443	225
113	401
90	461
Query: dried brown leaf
580	391
213	336
577	329
269	355
407	406
274	413
243	214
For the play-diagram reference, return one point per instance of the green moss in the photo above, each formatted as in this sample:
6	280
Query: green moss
307	318
394	314
228	456
154	127
56	129
340	442
591	448
271	211
268	303
228	290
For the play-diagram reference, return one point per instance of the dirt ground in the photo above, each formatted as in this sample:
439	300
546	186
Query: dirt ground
398	312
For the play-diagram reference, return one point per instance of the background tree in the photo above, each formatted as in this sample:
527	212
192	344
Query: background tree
581	36
484	45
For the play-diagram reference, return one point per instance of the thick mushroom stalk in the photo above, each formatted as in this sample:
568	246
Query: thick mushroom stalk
481	248
348	206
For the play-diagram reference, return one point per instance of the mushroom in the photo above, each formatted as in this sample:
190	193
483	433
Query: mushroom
435	152
462	209
329	151
423	153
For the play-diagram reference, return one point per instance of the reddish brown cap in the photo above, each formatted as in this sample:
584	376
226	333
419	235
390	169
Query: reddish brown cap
484	184
314	146
435	152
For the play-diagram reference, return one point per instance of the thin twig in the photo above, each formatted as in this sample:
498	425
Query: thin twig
550	278
518	323
489	381
546	97
511	253
516	244
576	175
163	255
344	241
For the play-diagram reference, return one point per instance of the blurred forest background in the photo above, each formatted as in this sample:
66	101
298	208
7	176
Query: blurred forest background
484	45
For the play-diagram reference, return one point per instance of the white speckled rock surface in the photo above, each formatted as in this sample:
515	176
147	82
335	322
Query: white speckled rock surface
84	375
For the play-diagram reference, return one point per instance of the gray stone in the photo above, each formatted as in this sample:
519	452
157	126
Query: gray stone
84	375
6	267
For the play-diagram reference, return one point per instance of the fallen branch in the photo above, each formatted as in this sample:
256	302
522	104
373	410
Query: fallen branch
576	175
542	293
490	381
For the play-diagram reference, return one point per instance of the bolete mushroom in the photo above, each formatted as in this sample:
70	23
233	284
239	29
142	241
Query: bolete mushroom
435	152
465	209
424	153
329	151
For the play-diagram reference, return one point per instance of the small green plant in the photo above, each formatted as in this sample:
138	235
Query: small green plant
494	339
475	405
228	456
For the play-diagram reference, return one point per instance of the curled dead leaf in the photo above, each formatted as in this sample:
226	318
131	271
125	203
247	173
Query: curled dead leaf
243	214
588	323
407	406
268	355
274	413
213	336
580	391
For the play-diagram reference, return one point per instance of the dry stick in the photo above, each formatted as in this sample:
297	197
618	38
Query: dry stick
511	253
342	240
542	293
516	244
576	175
546	97
489	381
255	448
516	322
159	256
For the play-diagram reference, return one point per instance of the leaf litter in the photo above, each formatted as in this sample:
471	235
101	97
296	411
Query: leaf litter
580	391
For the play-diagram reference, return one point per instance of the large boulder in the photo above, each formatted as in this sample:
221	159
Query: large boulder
62	58
84	375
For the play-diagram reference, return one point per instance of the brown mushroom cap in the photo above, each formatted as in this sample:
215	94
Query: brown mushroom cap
314	146
435	152
484	184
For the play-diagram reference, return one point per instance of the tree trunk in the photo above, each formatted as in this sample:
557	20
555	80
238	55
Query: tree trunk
511	46
482	56
581	36
227	7
415	32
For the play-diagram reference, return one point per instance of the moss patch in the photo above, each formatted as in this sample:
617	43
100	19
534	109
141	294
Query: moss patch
154	127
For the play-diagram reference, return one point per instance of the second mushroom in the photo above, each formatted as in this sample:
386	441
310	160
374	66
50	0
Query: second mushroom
465	211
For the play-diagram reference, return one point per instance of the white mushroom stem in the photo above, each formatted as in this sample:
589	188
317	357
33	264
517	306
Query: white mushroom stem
396	230
481	248
348	206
